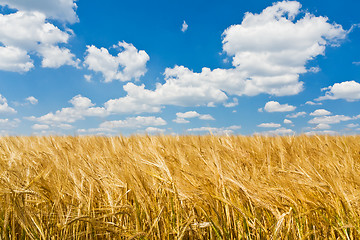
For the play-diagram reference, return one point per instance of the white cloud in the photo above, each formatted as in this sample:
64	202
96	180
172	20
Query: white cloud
211	104
274	106
314	69
181	120
348	90
14	59
134	122
28	30
234	103
269	125
181	117
48	133
64	126
32	100
154	130
82	107
8	124
4	107
24	33
184	26
352	125
128	64
182	87
287	121
234	127
296	115
189	114
55	57
97	131
324	132
80	102
322	126
274	46
43	127
217	131
63	10
29	100
320	112
40	127
206	117
135	102
356	63
330	119
108	128
269	52
88	77
279	131
312	103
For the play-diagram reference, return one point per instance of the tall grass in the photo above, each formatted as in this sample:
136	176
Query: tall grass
180	187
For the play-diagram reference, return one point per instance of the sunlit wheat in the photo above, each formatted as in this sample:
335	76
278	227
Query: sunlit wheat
180	187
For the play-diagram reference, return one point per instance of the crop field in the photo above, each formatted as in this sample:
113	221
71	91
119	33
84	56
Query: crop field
180	187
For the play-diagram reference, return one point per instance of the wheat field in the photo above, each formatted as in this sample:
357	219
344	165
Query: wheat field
180	187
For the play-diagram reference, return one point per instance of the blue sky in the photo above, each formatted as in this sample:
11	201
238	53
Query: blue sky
179	67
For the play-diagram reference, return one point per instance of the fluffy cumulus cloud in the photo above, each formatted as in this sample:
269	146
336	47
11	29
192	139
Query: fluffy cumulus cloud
32	100
23	33
320	112
269	125
154	130
269	51
273	47
274	106
128	64
189	114
181	88
217	131
15	59
63	10
349	90
287	121
4	106
55	57
82	107
234	103
182	117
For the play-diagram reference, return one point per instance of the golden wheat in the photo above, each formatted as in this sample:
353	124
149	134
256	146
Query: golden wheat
180	187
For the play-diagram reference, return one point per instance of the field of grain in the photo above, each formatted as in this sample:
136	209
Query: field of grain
180	187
